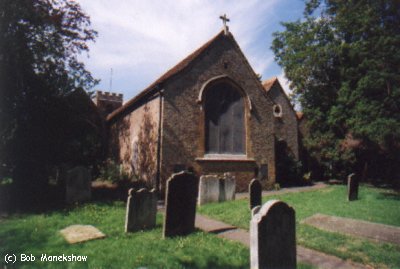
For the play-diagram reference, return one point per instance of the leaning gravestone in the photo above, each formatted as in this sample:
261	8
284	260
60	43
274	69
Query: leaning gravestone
208	189
352	187
180	207
273	236
141	210
255	191
78	185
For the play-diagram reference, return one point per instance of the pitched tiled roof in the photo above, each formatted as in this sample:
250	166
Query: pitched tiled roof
171	72
267	84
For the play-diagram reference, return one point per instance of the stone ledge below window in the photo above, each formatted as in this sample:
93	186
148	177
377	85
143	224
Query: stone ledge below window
224	158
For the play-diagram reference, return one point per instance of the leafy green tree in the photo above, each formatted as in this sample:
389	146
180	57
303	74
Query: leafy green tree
40	42
343	62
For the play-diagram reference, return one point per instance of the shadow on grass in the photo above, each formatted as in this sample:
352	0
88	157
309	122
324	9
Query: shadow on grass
389	196
211	263
18	239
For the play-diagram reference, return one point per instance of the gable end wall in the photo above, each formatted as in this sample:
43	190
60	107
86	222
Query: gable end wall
183	120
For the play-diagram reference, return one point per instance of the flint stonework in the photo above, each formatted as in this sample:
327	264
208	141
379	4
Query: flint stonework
255	192
180	207
352	187
273	236
141	210
78	185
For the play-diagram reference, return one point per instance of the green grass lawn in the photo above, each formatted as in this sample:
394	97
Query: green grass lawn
37	234
376	205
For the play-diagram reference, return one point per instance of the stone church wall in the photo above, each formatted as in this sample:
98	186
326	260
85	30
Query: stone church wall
183	119
286	128
133	141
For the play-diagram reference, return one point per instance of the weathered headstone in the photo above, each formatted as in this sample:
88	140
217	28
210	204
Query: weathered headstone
273	236
255	191
78	185
215	189
255	210
81	233
180	208
263	172
141	210
352	187
208	189
229	187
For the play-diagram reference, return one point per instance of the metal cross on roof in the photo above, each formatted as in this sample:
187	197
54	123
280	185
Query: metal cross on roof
225	19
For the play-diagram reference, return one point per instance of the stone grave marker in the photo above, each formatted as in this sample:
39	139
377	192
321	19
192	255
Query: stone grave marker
263	174
352	187
141	210
78	185
215	189
255	191
81	233
180	204
229	184
208	189
273	236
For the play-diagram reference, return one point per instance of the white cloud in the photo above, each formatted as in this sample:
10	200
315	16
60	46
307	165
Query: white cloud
284	83
134	35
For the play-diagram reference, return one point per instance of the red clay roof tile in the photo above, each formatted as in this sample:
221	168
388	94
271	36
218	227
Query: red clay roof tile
171	72
267	84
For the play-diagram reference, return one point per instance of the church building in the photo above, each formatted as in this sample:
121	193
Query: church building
209	114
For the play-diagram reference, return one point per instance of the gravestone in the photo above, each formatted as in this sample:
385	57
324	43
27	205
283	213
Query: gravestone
229	185
215	189
208	189
255	191
78	185
141	210
352	187
81	233
180	204
255	210
273	236
263	172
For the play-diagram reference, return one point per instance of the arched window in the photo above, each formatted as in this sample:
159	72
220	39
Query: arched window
277	109
224	120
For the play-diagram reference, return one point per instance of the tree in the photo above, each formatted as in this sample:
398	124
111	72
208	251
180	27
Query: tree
343	63
39	67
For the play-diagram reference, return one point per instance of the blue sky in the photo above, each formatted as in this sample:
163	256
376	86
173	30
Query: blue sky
141	40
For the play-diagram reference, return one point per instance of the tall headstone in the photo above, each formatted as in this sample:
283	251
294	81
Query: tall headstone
141	210
255	192
273	236
208	189
78	185
352	187
229	188
180	208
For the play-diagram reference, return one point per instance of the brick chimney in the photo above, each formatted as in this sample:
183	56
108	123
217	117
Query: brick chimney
107	102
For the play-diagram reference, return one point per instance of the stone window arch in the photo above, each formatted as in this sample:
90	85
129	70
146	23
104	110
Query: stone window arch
277	110
224	110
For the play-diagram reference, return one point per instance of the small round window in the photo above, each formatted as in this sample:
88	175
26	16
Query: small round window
277	111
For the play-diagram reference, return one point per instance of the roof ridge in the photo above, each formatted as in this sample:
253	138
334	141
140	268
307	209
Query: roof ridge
181	65
267	84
